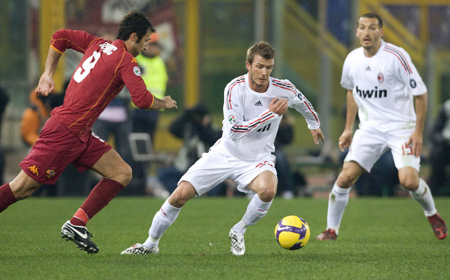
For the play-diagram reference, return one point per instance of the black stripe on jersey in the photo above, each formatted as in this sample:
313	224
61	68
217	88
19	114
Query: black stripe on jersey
401	57
246	128
279	82
238	80
287	86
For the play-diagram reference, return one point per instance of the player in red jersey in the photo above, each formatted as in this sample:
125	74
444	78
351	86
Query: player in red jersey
106	67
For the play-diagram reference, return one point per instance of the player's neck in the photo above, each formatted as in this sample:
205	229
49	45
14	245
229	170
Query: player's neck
260	89
257	88
371	51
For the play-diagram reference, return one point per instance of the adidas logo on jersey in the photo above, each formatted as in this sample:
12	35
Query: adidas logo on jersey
368	68
258	103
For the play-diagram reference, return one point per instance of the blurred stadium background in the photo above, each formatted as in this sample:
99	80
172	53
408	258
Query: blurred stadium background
204	45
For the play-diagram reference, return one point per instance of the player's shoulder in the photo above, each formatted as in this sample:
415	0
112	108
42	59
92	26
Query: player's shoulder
127	59
394	51
237	82
285	86
354	54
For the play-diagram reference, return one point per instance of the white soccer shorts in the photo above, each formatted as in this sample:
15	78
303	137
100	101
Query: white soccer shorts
370	143
218	165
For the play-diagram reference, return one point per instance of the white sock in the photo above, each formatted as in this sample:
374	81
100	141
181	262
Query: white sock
256	210
161	222
336	205
425	198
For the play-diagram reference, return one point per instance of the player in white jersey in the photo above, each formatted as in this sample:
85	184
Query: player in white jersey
381	81
253	107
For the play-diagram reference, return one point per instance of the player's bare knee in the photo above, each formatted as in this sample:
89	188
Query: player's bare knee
124	175
346	180
182	194
179	200
409	178
266	194
409	183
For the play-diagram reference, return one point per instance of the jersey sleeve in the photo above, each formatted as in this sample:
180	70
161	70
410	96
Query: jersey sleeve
131	76
77	40
408	75
302	105
346	81
233	112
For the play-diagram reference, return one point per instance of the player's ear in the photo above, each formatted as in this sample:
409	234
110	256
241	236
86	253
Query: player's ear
381	32
248	65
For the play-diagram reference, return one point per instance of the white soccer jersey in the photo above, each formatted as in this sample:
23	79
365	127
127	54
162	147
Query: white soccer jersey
383	85
249	127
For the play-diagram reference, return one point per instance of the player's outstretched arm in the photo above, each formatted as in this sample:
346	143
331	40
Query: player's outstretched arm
46	82
164	103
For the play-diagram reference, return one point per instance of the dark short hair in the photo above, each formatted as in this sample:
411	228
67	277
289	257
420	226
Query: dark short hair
261	48
372	15
134	22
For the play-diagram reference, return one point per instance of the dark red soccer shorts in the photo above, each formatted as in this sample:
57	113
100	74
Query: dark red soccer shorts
56	148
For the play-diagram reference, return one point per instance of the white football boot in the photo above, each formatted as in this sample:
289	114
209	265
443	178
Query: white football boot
140	249
237	243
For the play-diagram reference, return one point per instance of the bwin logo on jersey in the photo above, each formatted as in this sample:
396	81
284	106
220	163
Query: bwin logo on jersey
371	93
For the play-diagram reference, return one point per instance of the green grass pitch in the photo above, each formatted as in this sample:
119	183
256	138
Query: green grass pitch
380	238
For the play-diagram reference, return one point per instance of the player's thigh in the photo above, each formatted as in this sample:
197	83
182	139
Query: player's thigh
367	147
23	185
210	170
401	152
111	165
102	158
265	185
247	174
184	192
55	149
350	173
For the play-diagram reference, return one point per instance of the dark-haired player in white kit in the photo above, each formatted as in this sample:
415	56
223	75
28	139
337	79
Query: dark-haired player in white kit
253	107
381	81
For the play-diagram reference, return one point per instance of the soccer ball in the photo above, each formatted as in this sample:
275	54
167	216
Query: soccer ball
292	233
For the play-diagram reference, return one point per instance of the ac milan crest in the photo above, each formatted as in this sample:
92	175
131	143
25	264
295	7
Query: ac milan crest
380	78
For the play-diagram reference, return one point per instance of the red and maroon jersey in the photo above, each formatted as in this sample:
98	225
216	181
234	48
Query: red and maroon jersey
102	73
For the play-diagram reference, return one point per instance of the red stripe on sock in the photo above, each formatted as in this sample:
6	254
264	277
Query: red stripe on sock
80	218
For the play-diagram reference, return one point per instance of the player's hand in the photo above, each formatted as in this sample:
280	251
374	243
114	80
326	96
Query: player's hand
169	102
345	139
46	85
416	140
317	135
278	106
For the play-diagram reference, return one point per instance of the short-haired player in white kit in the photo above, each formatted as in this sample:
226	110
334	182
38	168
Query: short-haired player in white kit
381	81
253	107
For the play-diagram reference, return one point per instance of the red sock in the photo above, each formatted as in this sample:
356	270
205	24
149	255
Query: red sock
99	197
6	197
